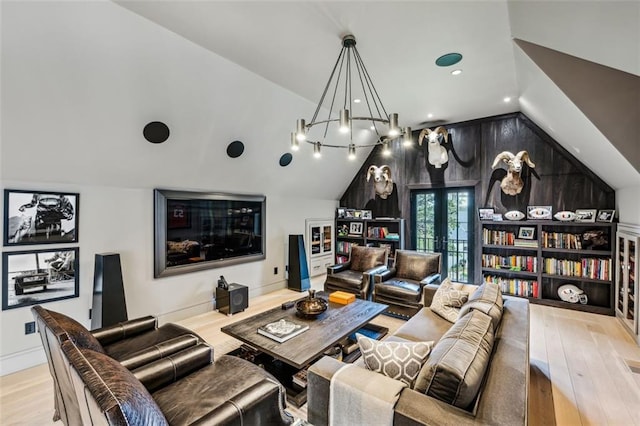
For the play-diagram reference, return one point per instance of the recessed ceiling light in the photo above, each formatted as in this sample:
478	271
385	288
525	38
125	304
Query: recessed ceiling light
456	72
429	115
356	101
448	59
507	99
576	149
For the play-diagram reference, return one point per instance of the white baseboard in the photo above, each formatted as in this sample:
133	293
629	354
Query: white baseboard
21	360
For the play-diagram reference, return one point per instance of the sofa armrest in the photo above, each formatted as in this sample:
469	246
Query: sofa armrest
318	382
158	351
167	370
338	268
434	278
384	275
427	293
116	332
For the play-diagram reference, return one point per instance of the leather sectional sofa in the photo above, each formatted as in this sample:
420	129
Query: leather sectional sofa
500	394
137	373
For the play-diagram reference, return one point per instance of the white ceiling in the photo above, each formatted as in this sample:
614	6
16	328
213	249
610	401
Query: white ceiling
295	44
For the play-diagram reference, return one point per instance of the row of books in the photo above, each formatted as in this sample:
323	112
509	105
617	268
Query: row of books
597	269
515	286
502	238
520	263
344	246
561	240
378	232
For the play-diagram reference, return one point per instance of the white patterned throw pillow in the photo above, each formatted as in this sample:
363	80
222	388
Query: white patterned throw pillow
397	360
448	300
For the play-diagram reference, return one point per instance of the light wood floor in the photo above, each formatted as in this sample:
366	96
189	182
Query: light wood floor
579	370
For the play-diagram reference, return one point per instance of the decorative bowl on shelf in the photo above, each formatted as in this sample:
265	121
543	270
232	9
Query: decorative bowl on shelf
312	306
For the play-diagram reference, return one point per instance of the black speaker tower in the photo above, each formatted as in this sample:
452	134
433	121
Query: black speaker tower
298	268
109	305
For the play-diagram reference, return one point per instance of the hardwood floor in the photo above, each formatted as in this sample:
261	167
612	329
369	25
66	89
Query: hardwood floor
580	372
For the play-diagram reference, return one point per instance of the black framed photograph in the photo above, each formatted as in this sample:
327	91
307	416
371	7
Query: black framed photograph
606	215
341	212
355	228
586	215
539	212
39	217
485	213
39	276
526	232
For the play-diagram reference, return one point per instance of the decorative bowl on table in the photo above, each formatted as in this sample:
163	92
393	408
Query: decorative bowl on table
312	306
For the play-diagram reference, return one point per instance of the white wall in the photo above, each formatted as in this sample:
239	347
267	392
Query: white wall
79	82
628	200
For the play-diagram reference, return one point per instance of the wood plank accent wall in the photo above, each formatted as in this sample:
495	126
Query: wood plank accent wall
558	179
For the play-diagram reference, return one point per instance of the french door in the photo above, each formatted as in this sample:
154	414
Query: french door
442	220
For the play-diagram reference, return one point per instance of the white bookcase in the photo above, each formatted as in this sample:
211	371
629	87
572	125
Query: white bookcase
319	245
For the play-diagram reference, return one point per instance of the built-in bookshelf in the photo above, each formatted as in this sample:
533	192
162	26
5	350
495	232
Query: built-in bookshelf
387	233
533	259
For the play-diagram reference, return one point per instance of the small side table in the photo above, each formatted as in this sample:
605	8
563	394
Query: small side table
233	299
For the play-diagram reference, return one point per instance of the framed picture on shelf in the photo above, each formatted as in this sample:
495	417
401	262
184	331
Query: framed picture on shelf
539	212
497	217
485	213
341	213
586	215
606	215
366	214
39	276
39	217
355	228
526	232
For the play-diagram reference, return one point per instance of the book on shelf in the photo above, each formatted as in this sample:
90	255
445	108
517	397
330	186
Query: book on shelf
300	378
519	242
342	297
282	330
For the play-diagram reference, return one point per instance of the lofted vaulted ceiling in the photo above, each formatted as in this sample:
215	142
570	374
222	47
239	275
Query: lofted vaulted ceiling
295	44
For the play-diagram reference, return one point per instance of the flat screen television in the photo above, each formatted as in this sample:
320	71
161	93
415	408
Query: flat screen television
202	230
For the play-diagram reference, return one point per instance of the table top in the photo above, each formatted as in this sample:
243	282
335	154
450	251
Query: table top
327	329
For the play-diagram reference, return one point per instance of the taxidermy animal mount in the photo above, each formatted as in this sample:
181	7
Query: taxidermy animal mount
437	153
512	183
382	182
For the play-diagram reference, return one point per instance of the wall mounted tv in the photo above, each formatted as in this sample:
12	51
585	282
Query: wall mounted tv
202	230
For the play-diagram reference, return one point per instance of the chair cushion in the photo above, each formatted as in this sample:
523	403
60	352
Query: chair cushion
448	299
457	364
487	299
365	258
346	279
77	332
416	265
400	289
397	360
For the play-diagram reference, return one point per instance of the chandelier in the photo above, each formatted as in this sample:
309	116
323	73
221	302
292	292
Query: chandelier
349	84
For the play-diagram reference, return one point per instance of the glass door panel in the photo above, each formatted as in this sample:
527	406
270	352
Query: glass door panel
328	239
631	281
315	240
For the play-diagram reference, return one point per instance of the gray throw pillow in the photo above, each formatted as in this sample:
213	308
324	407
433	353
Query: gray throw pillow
488	300
448	300
397	360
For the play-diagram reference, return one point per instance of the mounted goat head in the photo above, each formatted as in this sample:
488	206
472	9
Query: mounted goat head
512	183
437	153
381	180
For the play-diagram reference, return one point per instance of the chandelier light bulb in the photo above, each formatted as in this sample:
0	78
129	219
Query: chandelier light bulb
294	142
352	152
394	130
406	137
344	121
385	149
301	133
316	150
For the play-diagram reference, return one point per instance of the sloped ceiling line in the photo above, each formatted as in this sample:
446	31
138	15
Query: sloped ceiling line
608	97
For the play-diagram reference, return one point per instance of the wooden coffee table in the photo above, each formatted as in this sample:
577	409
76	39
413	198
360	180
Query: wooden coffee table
325	331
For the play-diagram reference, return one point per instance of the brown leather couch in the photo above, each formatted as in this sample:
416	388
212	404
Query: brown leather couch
400	287
153	384
355	275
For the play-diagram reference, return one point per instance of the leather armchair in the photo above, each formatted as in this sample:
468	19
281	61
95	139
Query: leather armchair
401	287
355	275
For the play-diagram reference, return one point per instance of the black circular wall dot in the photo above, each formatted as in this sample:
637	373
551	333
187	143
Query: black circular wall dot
156	132
285	159
235	149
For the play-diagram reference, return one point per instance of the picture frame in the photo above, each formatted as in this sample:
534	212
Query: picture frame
539	212
526	232
355	228
586	215
40	217
341	213
605	216
497	217
39	276
366	214
485	213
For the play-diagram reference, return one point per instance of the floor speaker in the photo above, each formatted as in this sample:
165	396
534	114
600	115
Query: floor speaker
109	305
298	267
233	299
